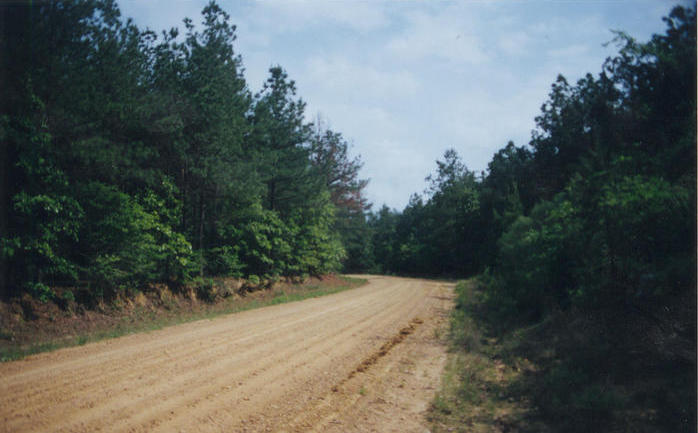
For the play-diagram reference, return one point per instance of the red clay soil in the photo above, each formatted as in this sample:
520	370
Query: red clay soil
26	322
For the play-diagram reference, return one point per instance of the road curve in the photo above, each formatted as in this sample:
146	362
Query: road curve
290	367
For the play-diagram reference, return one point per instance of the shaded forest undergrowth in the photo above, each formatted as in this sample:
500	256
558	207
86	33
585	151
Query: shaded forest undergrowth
29	326
574	371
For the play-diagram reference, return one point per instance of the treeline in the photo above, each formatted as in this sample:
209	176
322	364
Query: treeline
598	208
130	158
584	242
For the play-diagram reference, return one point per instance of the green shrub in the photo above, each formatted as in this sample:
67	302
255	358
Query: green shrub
68	296
206	289
131	241
41	291
535	261
223	261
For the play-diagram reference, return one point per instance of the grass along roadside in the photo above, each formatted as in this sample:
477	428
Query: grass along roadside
67	329
574	371
476	393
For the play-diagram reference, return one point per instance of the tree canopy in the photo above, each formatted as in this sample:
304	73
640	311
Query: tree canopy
131	157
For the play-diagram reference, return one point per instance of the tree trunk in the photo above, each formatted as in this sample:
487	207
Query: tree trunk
272	191
5	203
4	214
201	235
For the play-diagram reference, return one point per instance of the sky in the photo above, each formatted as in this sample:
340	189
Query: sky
405	80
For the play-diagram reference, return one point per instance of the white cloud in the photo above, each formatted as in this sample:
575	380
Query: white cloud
441	36
514	43
153	15
348	79
294	15
569	52
396	168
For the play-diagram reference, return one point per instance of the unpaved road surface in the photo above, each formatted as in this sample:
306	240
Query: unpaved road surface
362	360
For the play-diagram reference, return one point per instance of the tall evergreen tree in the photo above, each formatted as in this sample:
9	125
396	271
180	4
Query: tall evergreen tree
279	143
340	174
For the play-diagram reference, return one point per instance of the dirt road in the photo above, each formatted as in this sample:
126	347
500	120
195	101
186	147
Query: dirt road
366	359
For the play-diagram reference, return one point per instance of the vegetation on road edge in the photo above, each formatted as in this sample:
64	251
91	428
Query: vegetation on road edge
60	328
563	374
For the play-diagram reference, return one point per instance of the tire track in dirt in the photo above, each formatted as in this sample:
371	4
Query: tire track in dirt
181	347
308	362
187	371
251	371
190	370
125	351
290	357
396	386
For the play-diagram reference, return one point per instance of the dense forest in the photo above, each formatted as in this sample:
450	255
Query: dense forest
130	158
583	241
599	209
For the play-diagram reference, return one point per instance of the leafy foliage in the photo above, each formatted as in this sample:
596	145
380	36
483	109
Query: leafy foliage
436	236
587	234
599	208
133	158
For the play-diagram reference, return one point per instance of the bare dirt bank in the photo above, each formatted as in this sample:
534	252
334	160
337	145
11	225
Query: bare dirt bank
362	360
